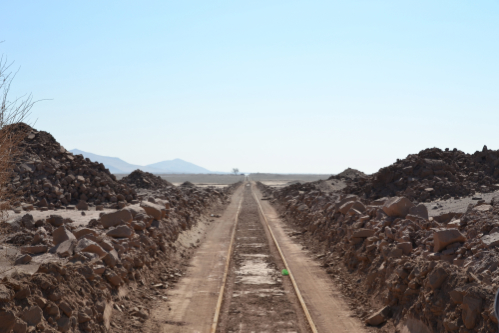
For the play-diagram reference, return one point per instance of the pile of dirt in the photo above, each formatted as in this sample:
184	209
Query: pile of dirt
348	174
432	174
438	273
47	175
85	270
141	179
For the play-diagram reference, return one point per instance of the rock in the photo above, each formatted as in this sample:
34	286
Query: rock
113	219
106	245
62	234
20	326
491	240
79	233
32	316
406	247
121	231
28	221
442	238
483	208
7	321
51	309
6	294
82	205
23	259
472	308
363	233
111	258
112	277
64	324
154	210
397	207
419	210
138	225
23	292
64	249
56	220
34	249
437	277
86	245
379	317
66	308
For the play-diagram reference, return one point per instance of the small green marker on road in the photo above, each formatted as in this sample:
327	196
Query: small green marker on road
285	272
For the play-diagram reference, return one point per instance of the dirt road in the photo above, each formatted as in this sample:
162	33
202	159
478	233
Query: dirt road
257	297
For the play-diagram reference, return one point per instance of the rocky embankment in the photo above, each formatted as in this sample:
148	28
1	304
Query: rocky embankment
49	176
432	174
84	269
439	274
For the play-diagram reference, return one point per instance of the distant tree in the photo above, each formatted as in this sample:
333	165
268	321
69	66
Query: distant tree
235	171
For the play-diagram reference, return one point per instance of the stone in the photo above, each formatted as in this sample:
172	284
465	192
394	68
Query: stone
437	277
472	308
23	259
82	205
7	321
406	247
32	316
64	249
113	219
154	210
86	245
363	233
112	277
62	234
23	292
490	240
138	225
79	233
6	294
66	308
34	249
106	245
379	317
442	238
121	231
51	309
64	324
56	220
419	210
397	207
348	205
28	221
19	327
483	208
111	258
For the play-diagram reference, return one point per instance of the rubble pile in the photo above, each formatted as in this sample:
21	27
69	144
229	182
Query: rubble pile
348	174
47	175
82	266
141	179
440	272
432	174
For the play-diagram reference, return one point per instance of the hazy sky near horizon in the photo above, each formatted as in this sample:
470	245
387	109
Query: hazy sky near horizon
265	86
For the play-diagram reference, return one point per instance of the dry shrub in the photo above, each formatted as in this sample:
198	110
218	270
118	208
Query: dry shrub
13	113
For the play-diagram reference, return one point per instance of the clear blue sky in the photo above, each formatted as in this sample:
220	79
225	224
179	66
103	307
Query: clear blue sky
269	86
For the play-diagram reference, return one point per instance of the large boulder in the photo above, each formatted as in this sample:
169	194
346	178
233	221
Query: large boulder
357	205
442	238
86	245
397	207
379	317
113	219
154	210
62	234
491	240
64	249
32	316
55	220
419	210
79	233
472	307
7	321
121	231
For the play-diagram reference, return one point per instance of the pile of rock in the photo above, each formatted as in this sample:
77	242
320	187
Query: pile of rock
348	173
432	174
145	180
133	244
440	271
47	175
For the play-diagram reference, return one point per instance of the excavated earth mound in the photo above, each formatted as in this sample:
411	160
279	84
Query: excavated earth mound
432	174
348	174
141	179
398	266
47	175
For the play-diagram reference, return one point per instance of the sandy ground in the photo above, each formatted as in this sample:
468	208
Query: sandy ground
438	207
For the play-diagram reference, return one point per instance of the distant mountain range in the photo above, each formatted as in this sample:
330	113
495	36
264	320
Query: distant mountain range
117	165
